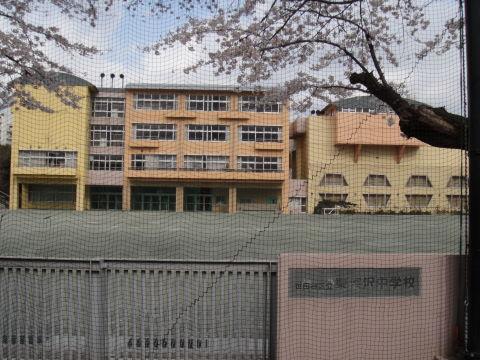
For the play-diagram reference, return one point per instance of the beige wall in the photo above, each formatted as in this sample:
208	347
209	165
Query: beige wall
65	129
180	147
326	156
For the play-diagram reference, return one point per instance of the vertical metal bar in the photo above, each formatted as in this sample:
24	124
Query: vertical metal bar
34	304
78	276
52	310
472	11
265	312
133	289
222	313
214	332
196	320
44	312
231	314
177	315
151	312
256	282
115	274
168	329
142	314
70	313
24	273
186	306
204	336
17	314
240	318
125	315
60	309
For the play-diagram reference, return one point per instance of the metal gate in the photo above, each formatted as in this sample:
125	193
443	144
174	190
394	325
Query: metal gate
136	310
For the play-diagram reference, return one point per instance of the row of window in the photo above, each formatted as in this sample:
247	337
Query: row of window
115	107
113	135
54	159
381	200
382	180
191	162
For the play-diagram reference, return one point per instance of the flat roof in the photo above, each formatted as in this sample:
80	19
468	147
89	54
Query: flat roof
243	236
198	87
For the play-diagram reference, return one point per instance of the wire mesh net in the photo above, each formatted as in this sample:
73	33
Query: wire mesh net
232	179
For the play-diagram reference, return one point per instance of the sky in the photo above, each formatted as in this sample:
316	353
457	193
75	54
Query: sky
121	36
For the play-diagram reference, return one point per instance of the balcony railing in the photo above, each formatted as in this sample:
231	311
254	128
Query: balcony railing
202	170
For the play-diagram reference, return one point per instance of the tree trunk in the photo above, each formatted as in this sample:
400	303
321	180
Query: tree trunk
434	126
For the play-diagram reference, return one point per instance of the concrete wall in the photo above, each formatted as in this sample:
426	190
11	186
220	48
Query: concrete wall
65	129
370	328
379	155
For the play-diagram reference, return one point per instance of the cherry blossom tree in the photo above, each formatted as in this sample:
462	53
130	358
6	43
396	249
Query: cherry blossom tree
256	40
260	38
23	43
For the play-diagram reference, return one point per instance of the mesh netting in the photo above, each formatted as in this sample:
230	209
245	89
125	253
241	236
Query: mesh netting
232	179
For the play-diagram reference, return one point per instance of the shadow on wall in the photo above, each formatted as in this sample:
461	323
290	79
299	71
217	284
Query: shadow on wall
5	168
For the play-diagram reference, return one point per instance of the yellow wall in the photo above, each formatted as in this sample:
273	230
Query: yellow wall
65	129
180	147
324	157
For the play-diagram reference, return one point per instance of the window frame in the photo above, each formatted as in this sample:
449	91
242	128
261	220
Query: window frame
410	196
164	101
417	177
207	102
326	179
164	132
385	196
260	133
207	132
105	162
47	158
259	163
206	162
109	102
386	182
252	103
107	135
147	162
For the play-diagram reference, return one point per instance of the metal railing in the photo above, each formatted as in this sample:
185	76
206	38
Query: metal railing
136	310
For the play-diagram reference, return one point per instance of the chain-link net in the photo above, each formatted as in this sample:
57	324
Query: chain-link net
232	179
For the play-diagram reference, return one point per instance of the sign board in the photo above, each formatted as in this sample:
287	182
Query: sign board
353	282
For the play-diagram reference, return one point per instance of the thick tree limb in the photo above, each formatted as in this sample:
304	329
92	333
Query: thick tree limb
434	126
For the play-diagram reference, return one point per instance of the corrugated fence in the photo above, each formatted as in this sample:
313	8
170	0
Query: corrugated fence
137	310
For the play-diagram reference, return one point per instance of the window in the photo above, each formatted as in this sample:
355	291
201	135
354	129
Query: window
153	199
259	163
333	197
106	162
376	180
417	201
51	193
153	161
376	200
333	180
260	133
419	181
258	104
149	101
154	131
208	102
60	159
298	204
206	162
108	107
207	132
457	182
457	202
106	198
106	135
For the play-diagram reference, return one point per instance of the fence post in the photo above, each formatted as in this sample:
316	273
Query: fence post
472	12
